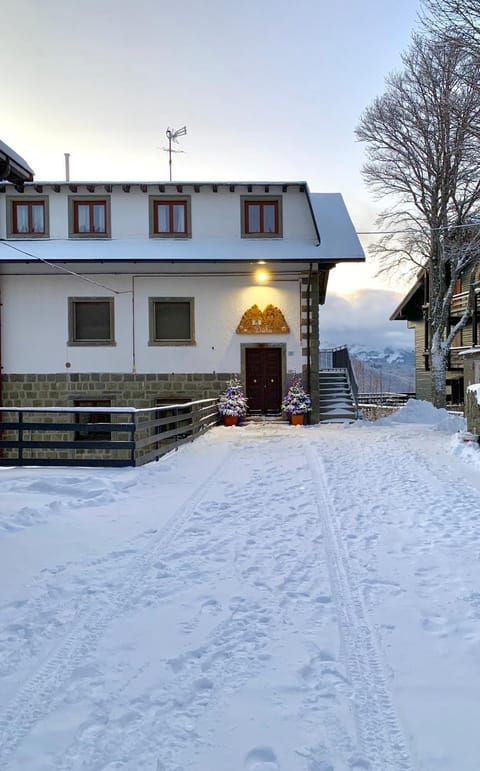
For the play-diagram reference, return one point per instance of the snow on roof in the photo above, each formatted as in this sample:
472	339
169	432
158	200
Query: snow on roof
13	156
475	351
174	183
339	243
170	251
338	237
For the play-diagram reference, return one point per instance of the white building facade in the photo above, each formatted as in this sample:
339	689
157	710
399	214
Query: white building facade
137	294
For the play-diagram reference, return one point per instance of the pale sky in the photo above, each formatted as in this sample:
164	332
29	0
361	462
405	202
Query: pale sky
268	90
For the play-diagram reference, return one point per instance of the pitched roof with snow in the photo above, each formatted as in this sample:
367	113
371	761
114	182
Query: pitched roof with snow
337	240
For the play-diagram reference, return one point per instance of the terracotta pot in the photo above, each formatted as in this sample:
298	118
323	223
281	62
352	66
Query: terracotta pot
297	420
230	420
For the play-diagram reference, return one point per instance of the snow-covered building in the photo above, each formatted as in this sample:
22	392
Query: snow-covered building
414	309
135	294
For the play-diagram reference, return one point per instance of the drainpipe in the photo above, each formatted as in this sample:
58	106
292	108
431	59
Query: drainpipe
134	355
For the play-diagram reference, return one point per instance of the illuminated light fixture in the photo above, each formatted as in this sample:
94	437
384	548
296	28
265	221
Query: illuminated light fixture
261	262
262	275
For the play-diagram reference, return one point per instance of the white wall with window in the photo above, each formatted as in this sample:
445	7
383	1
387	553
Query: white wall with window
76	211
48	323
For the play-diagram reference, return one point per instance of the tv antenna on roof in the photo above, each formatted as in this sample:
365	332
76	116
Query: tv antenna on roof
173	137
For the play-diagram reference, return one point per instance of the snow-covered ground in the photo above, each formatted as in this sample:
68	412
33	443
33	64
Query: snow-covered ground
266	599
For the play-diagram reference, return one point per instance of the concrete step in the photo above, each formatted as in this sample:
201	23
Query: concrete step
338	419
337	409
333	381
264	419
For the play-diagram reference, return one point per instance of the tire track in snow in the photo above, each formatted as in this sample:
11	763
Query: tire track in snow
255	615
380	734
33	700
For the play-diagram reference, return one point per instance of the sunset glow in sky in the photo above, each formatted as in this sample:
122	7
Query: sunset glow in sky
268	90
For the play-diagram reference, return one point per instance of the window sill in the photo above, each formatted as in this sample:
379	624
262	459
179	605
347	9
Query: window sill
262	236
89	236
26	236
172	343
90	343
181	236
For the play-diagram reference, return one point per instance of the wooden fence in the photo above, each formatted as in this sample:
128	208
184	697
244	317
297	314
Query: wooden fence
99	436
385	399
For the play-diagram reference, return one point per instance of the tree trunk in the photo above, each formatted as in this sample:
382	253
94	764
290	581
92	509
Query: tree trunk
439	356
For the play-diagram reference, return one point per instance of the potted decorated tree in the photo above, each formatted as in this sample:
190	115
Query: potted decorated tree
232	404
296	402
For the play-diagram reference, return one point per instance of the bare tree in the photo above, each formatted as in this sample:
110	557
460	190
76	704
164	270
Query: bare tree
424	158
458	17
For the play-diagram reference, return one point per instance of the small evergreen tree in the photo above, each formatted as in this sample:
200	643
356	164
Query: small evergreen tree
233	401
296	401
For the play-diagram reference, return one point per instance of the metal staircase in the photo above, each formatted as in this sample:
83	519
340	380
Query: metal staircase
338	390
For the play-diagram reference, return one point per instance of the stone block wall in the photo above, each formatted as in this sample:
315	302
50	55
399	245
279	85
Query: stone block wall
122	390
310	334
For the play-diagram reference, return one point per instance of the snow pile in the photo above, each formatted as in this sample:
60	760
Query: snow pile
424	413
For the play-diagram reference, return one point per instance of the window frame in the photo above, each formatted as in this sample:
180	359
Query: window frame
13	202
72	339
152	340
74	201
261	200
171	200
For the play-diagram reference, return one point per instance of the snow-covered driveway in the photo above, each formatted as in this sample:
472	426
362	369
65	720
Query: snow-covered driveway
266	599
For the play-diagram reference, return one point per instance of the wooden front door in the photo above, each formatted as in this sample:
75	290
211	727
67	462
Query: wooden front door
263	378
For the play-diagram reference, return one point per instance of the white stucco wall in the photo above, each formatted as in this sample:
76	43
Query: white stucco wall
214	215
35	323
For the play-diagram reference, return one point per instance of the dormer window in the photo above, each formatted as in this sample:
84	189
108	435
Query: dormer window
89	217
27	217
261	217
170	217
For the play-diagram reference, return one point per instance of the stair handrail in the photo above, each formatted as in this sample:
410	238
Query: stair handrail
340	359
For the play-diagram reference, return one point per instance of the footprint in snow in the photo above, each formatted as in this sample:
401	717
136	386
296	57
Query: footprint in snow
261	759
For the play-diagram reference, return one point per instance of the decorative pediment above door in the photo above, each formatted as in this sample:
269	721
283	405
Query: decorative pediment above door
271	321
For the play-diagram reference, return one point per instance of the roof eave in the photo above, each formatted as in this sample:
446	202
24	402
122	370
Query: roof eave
13	168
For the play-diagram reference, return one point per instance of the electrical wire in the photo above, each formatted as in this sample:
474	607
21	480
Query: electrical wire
65	270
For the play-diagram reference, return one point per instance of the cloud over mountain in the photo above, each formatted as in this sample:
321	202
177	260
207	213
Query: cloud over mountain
362	318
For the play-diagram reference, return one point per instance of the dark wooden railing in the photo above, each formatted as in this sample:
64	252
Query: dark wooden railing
384	399
56	436
339	358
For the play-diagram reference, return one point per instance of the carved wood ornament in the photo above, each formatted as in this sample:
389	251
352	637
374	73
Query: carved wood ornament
271	321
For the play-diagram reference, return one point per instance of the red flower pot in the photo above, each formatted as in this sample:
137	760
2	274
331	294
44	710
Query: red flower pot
230	420
297	420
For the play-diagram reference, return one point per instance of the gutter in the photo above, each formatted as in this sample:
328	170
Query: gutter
315	224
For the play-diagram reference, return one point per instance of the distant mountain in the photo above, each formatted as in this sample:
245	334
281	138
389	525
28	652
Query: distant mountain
387	370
